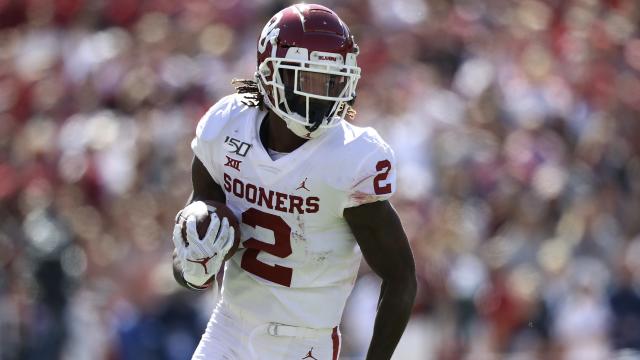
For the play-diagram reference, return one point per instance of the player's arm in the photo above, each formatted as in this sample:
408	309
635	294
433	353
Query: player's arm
204	188
377	229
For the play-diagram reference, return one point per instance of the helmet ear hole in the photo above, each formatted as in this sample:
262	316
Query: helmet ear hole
264	69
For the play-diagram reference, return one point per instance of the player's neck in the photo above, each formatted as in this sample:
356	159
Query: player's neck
275	135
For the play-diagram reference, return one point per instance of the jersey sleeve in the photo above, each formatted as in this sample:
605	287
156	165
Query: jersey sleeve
208	133
375	178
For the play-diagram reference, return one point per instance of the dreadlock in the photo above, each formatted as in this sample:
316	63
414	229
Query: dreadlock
252	96
249	88
351	112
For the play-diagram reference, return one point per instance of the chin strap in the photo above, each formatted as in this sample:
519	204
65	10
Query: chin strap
315	126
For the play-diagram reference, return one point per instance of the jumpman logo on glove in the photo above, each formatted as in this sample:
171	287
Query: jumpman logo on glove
203	262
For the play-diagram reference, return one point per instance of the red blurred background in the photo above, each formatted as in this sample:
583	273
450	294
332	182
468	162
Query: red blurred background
516	125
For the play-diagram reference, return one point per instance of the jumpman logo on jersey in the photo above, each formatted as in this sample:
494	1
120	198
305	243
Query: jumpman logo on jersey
310	355
203	262
303	185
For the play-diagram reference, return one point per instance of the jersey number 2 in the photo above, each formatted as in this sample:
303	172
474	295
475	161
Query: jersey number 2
281	248
380	166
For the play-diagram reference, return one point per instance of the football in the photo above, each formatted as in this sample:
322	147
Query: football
203	219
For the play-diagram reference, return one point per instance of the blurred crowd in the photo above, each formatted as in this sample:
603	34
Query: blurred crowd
516	125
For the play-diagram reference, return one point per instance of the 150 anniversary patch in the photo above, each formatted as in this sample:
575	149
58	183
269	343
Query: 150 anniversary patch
236	146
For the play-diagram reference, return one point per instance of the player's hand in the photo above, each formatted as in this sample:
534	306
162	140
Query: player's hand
202	257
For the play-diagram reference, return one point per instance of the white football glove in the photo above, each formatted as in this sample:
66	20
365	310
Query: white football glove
202	258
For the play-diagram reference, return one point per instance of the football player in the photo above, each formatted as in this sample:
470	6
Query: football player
311	192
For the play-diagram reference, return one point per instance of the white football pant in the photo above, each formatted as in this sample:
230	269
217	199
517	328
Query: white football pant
232	335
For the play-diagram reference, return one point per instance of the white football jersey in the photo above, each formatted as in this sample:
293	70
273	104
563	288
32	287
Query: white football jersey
298	259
